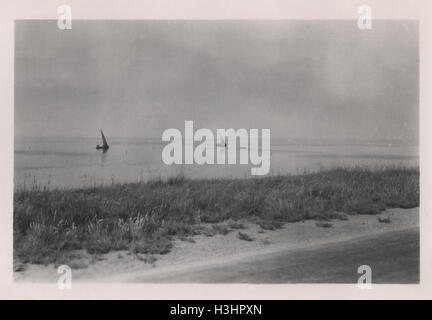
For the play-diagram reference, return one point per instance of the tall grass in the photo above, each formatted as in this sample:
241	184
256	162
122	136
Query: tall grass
144	217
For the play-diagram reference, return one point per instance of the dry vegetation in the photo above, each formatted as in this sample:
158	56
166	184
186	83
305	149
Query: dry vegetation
144	217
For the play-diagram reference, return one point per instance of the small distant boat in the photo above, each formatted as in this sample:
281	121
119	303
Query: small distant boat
104	145
223	142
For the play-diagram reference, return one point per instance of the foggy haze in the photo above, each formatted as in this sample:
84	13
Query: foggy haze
134	79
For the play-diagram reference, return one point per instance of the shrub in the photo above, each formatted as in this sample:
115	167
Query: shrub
384	219
324	224
245	236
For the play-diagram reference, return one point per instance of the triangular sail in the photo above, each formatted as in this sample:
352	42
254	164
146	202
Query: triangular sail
104	142
222	141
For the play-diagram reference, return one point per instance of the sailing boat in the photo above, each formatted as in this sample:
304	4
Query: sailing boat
223	142
104	145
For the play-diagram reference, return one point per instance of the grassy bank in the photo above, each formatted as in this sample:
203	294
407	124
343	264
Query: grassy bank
144	217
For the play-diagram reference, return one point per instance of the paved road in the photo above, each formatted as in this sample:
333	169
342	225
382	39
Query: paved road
393	257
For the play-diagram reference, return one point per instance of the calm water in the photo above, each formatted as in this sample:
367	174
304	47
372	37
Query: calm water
74	162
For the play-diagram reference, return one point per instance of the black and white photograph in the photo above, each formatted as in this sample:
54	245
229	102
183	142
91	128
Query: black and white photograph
216	151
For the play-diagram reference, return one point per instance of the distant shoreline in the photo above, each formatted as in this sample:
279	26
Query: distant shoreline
275	141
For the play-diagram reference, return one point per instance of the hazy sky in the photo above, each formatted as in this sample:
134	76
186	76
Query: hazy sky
301	79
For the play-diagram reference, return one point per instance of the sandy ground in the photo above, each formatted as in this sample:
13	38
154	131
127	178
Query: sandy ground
393	257
220	250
